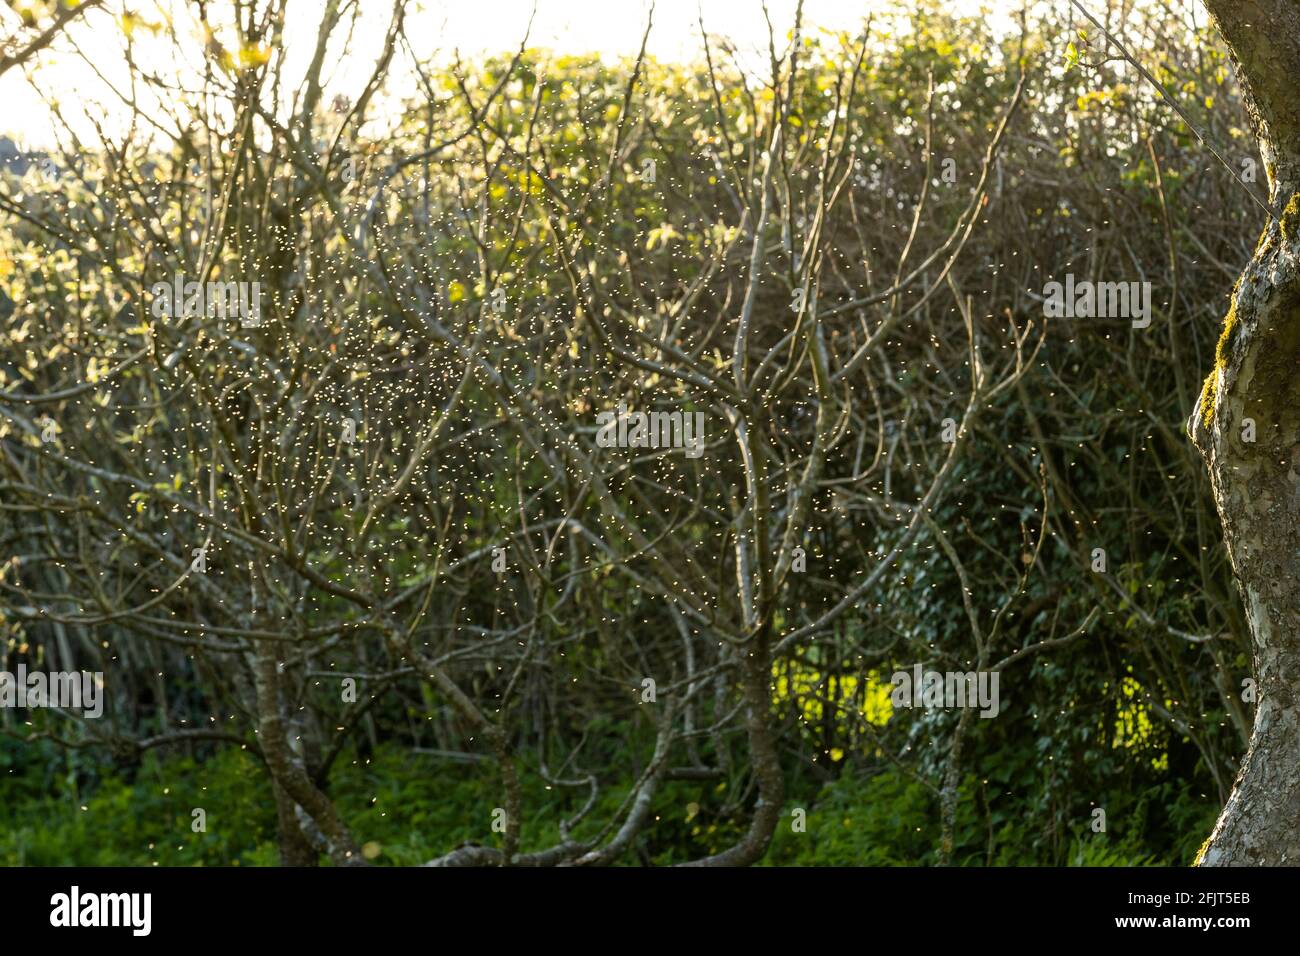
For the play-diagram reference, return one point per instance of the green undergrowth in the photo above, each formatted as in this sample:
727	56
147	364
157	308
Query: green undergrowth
408	808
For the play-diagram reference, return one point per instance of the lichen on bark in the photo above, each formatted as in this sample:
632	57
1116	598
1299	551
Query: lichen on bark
1221	353
1291	218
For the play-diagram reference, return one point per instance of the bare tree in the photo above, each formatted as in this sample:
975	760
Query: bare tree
385	507
34	34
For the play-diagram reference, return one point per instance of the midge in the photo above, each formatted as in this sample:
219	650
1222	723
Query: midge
224	300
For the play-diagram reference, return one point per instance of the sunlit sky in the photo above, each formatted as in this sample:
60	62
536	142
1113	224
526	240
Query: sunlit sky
74	70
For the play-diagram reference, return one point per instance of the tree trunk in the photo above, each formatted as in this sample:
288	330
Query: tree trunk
295	848
1255	386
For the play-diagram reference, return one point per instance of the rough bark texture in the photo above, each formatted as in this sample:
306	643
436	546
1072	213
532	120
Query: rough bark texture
289	776
766	759
295	848
1257	484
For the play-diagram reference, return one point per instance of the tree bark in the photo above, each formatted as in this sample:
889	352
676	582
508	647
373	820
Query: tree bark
765	757
295	848
289	776
1255	384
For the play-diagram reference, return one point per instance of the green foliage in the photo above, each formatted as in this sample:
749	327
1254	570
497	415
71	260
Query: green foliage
890	820
142	817
414	809
882	820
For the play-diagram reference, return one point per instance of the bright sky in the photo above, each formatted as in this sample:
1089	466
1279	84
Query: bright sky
612	28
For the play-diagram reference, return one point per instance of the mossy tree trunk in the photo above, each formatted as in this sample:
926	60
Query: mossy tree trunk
1247	427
